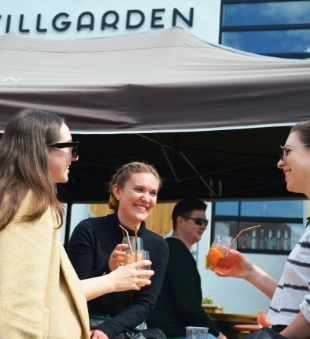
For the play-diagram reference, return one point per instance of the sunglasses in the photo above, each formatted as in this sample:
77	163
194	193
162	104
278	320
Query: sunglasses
73	144
199	221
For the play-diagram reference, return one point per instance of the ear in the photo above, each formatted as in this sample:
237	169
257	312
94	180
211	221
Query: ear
180	221
116	191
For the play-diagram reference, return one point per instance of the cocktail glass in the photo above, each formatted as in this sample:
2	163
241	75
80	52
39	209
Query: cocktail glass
219	257
133	243
261	317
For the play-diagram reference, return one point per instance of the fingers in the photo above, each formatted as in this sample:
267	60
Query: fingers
140	264
121	247
96	334
143	282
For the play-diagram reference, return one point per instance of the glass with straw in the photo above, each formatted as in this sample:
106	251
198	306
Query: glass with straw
219	258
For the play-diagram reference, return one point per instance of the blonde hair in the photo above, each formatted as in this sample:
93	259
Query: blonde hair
123	174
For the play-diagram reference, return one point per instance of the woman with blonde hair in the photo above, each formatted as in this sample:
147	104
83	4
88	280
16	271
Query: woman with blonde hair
95	248
40	293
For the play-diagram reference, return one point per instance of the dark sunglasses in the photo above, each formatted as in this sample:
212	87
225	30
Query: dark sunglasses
73	144
199	221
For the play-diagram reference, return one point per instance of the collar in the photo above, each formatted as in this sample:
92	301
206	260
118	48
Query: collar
114	223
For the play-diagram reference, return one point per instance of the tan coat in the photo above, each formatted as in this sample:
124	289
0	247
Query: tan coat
40	293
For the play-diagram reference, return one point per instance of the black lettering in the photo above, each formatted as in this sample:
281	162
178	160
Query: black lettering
105	24
80	19
156	18
139	24
178	13
21	22
65	24
8	23
39	29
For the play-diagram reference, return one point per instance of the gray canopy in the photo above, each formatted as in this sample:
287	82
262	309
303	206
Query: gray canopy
209	118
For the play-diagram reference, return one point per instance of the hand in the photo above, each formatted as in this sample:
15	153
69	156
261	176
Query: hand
97	334
117	257
131	277
221	336
241	268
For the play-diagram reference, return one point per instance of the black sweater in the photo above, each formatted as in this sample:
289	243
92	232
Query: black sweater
179	302
89	250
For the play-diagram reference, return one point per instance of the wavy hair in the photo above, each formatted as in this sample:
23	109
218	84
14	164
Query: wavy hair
23	165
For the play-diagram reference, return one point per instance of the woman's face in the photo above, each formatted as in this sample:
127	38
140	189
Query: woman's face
59	159
296	165
137	198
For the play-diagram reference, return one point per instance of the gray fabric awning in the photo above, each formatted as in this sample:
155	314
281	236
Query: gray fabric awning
209	118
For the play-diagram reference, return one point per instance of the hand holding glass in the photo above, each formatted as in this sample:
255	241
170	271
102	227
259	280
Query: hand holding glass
219	257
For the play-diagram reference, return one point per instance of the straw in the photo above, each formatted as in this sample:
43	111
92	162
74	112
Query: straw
136	242
245	230
127	235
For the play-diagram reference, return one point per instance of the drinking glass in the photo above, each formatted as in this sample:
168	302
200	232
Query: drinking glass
134	256
196	332
219	258
131	241
261	317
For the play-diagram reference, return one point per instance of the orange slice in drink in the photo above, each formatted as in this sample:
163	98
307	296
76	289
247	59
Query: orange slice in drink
261	320
214	256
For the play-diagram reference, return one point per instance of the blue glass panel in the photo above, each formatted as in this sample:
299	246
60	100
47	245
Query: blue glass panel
272	13
286	41
283	209
226	208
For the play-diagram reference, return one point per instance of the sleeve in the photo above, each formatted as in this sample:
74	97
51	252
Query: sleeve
143	300
26	250
305	307
181	276
81	252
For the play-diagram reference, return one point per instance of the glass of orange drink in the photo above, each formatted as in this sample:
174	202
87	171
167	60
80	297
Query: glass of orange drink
261	318
219	258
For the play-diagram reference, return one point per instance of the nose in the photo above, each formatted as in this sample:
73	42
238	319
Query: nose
145	197
280	163
75	159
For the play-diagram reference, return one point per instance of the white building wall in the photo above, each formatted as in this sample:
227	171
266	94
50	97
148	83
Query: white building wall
205	23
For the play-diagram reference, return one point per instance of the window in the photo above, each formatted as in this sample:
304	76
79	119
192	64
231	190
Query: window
274	28
282	224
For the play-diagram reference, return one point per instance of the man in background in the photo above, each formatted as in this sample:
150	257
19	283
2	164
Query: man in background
180	298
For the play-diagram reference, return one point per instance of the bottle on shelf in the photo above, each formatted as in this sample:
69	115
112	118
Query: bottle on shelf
261	244
269	241
286	242
278	240
254	240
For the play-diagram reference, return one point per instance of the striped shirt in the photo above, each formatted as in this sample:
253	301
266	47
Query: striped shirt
292	292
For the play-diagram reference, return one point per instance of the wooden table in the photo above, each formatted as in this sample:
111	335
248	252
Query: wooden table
245	329
226	322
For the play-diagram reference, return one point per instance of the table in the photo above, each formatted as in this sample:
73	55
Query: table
226	321
245	329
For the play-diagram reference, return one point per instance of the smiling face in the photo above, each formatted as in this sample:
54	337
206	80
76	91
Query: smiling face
136	199
59	160
296	165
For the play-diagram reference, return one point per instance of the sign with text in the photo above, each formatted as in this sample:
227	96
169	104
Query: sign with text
76	19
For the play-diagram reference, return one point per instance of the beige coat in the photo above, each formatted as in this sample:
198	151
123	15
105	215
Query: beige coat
40	293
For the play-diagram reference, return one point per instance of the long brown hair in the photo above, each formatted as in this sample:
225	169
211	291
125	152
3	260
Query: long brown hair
23	165
124	173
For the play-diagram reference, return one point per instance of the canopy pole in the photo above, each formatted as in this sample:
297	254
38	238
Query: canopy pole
201	178
167	158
